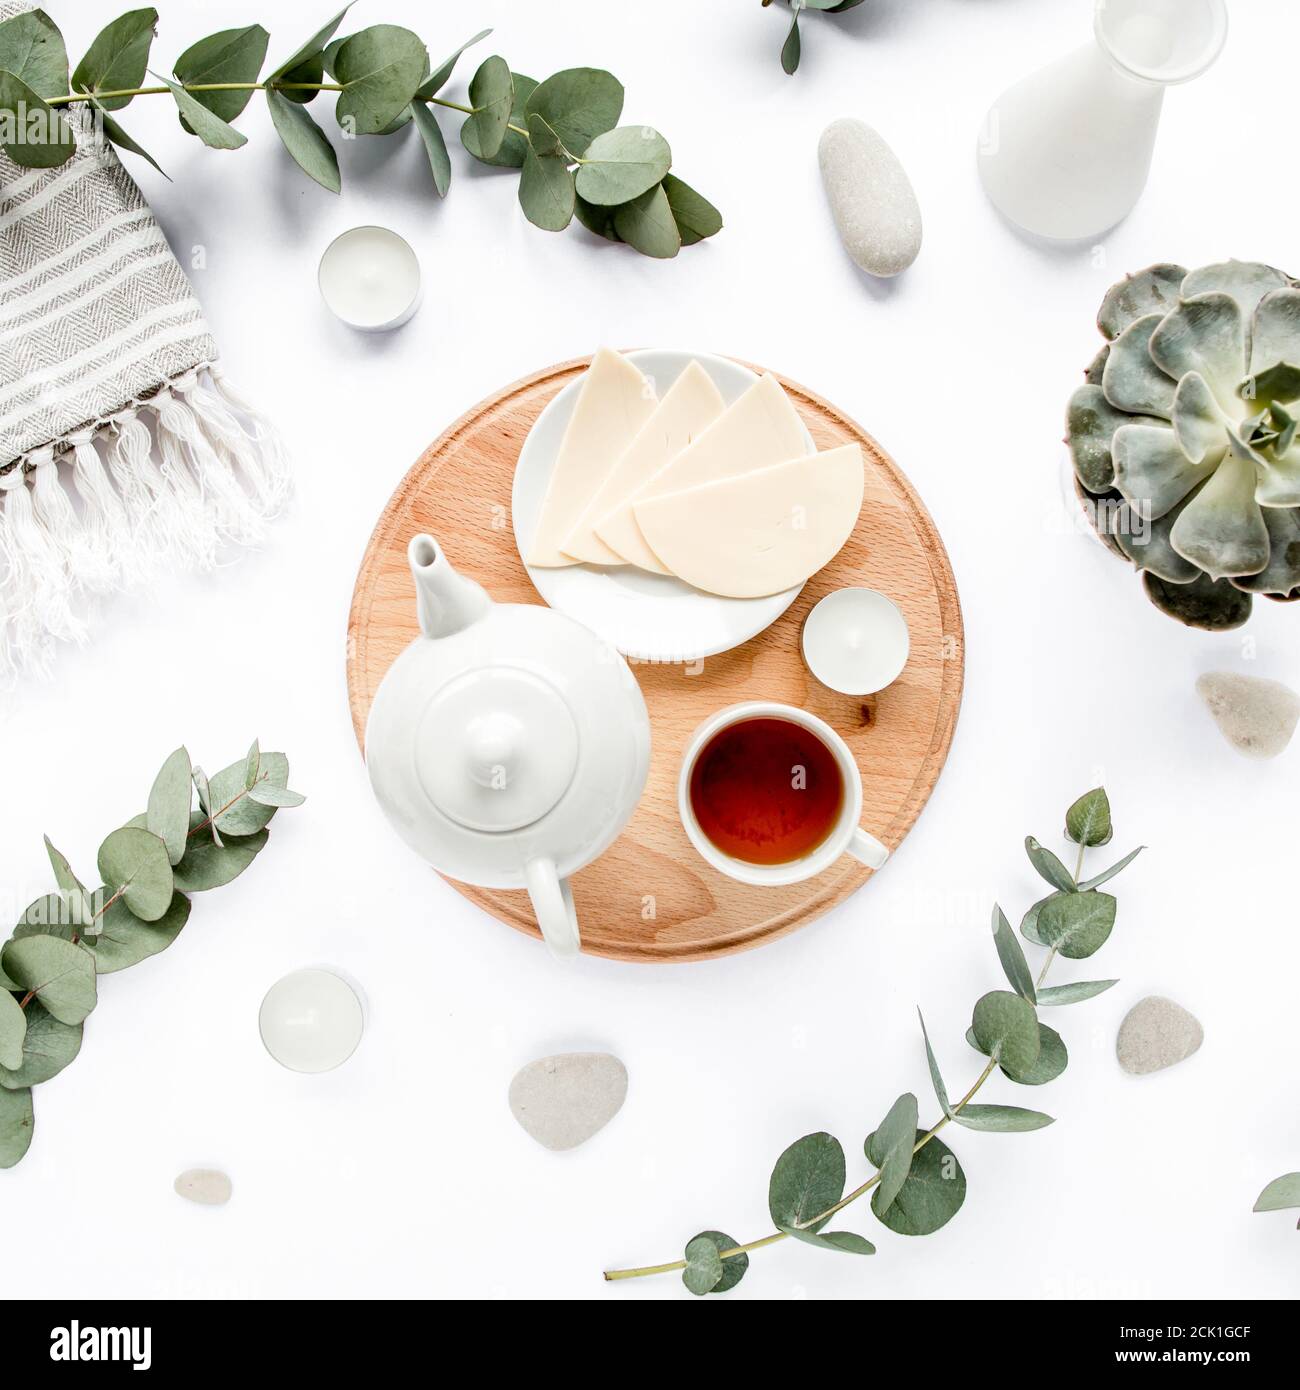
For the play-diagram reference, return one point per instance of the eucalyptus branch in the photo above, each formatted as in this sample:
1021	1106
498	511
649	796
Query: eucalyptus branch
50	965
562	135
918	1184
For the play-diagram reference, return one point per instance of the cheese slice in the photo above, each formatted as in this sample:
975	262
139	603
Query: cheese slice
759	533
759	428
690	404
614	401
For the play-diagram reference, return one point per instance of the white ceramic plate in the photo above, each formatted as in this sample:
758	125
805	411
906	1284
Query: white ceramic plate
652	617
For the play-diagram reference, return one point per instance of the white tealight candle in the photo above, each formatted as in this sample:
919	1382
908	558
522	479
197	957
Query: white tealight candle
855	641
311	1020
370	278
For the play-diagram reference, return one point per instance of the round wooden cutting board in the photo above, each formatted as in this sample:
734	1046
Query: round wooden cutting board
650	897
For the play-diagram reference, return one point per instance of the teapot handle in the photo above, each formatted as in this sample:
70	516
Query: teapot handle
552	900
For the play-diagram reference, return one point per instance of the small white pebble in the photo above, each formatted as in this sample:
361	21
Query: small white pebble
871	197
1155	1034
563	1100
209	1187
1257	716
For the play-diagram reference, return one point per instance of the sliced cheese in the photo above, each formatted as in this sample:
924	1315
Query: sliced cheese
691	404
614	401
762	532
759	428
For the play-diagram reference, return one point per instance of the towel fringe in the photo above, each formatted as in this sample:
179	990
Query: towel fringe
162	485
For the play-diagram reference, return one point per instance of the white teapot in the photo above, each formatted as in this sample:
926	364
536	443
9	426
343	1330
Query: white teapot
507	744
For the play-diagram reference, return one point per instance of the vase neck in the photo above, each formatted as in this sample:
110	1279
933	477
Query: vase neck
1160	42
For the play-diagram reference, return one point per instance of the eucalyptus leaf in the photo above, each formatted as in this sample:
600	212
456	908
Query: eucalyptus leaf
61	975
1075	993
936	1079
268	794
125	141
1049	866
622	164
134	865
546	192
32	48
597	219
48	1047
50	915
1281	1194
435	147
168	815
695	216
1087	822
1006	1028
1077	924
893	1141
16	1124
514	146
845	1242
118	58
305	140
207	865
438	79
791	48
1012	957
542	137
808	1178
236	811
42	138
578	104
1029	923
126	939
13	1029
233	55
309	51
491	94
380	68
933	1193
81	909
703	1269
647	224
1051	1061
252	763
1002	1119
733	1267
1107	874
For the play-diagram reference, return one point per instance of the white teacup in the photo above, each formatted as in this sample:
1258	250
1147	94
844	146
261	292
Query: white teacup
845	837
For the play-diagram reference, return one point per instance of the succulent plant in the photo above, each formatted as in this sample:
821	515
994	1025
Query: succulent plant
1183	436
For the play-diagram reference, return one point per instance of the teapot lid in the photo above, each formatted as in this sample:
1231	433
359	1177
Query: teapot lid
497	747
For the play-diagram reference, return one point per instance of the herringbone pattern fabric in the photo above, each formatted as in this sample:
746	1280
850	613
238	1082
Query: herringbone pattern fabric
95	312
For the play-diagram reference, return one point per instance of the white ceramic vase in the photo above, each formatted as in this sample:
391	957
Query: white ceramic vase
1065	152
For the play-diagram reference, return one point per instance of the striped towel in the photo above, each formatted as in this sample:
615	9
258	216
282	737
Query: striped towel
122	448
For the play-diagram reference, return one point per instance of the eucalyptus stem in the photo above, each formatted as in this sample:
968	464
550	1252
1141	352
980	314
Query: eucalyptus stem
612	1274
130	92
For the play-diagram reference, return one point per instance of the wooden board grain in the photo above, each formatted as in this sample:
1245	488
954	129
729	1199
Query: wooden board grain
650	897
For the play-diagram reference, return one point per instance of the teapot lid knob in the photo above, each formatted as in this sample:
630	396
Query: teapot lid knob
496	748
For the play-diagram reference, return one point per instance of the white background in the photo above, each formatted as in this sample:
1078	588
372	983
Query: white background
404	1173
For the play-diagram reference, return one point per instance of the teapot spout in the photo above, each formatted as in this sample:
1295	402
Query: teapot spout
446	601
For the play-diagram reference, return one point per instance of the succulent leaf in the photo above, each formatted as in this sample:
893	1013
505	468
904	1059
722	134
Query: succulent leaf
1279	480
1152	471
1246	281
1222	529
1275	332
1090	423
1132	380
1153	290
1215	605
1149	548
1280	578
1205	335
1199	422
1092	373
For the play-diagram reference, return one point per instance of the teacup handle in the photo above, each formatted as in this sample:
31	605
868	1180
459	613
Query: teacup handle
552	900
867	848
